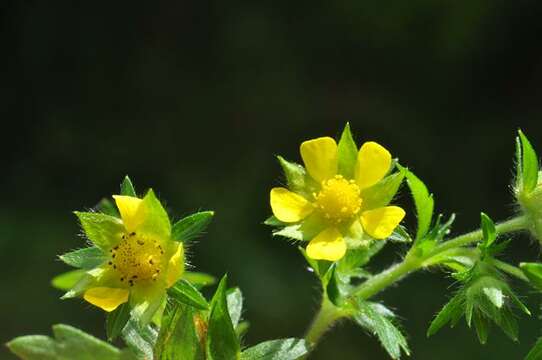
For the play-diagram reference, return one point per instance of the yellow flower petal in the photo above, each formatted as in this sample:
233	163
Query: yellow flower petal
128	208
328	245
380	223
288	206
106	298
176	266
320	157
373	163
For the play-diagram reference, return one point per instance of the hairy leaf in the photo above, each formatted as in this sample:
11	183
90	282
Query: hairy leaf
282	349
191	226
186	293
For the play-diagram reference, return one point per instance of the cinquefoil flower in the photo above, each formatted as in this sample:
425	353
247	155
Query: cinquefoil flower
338	198
138	258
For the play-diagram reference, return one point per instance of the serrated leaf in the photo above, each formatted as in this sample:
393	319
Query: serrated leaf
347	153
103	230
116	321
199	279
423	201
222	341
383	192
282	349
533	271
86	258
488	230
191	226
178	338
390	337
529	164
67	280
186	293
451	312
127	187
234	298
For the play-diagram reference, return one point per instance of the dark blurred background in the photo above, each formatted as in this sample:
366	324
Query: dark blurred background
195	98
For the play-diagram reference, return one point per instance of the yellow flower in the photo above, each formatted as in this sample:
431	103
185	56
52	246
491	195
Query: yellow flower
140	259
335	200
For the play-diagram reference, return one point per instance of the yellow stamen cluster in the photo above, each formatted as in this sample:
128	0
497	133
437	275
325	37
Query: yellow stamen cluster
137	258
339	199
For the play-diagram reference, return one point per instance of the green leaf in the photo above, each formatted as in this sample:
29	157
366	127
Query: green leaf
103	230
536	351
234	298
494	295
116	321
488	230
347	153
369	317
383	192
529	164
282	349
186	293
533	271
33	347
305	231
482	327
67	280
451	312
178	337
222	342
295	174
191	226
423	202
127	187
69	343
199	279
86	258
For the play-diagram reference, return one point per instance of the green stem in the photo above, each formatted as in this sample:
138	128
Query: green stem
324	319
329	313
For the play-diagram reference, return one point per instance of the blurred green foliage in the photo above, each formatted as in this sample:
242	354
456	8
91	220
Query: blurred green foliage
194	98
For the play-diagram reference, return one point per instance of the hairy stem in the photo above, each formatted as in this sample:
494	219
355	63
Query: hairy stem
329	314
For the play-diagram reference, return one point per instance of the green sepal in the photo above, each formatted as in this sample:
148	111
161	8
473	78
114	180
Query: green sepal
199	279
67	280
116	321
451	312
186	293
313	264
222	341
377	319
178	338
273	221
127	187
234	298
102	230
68	343
383	192
533	271
281	349
86	258
106	206
529	165
347	153
191	226
296	175
488	230
156	221
304	231
423	201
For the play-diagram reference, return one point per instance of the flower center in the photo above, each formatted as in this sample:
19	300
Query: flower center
137	258
339	199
